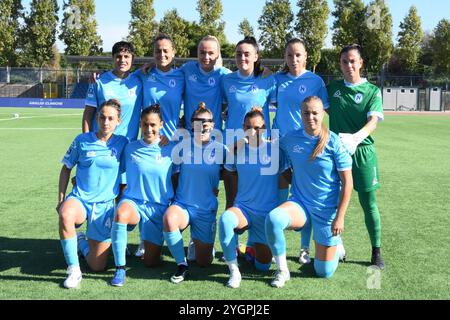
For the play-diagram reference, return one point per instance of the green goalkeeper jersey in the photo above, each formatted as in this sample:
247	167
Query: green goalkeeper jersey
351	105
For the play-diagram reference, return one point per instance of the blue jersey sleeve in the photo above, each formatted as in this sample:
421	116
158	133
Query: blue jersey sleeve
72	155
342	158
323	95
91	96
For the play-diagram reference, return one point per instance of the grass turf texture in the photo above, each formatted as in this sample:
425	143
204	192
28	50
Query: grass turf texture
414	200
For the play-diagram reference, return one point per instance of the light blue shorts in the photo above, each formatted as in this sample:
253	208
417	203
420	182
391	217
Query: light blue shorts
99	218
202	223
151	219
256	224
321	220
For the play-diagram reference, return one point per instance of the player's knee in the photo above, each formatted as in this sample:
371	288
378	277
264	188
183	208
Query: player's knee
97	266
170	221
325	269
228	220
203	261
276	219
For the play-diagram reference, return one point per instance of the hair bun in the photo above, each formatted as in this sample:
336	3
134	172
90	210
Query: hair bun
256	109
202	105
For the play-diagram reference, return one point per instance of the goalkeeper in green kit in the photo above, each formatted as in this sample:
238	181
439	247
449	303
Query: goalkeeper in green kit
355	109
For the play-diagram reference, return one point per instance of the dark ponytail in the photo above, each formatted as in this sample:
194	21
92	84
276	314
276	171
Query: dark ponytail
258	69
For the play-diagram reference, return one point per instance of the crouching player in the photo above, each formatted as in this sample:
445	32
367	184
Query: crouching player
257	195
321	189
97	157
149	192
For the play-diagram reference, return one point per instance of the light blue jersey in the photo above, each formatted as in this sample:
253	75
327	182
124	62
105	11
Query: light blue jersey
199	176
165	89
149	171
204	87
291	92
129	93
98	166
258	189
242	94
315	183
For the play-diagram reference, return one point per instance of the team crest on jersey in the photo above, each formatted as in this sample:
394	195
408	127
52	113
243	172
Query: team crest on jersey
91	154
255	88
212	82
359	98
212	156
114	152
132	92
337	94
298	149
193	78
159	158
302	89
232	89
172	83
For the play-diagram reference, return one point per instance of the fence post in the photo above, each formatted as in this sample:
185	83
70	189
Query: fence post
8	74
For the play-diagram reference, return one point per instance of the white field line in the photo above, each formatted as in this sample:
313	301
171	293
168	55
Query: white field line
46	116
30	129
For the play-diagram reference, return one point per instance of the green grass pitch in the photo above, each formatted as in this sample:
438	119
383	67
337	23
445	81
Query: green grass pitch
414	156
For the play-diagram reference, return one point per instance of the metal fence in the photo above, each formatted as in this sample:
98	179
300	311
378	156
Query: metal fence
72	83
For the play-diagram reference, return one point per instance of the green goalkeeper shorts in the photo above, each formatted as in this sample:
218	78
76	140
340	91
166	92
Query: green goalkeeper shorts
365	169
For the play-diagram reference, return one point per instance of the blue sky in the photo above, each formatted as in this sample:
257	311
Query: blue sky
113	16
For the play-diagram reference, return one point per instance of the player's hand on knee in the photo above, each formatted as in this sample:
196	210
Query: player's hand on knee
337	227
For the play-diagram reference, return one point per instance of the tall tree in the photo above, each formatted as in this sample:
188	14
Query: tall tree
349	23
175	26
79	29
378	44
409	40
10	12
312	27
142	27
211	22
39	34
275	25
440	44
245	28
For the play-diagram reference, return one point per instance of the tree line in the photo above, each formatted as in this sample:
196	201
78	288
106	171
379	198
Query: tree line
28	38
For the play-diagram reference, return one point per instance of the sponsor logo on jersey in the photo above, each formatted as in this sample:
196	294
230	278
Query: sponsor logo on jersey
302	89
337	94
232	89
193	78
151	78
359	98
172	83
91	154
212	82
135	158
90	92
255	88
298	149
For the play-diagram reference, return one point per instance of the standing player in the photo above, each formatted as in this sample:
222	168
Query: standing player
195	203
355	109
321	191
148	194
256	197
164	85
97	157
203	81
294	84
118	84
